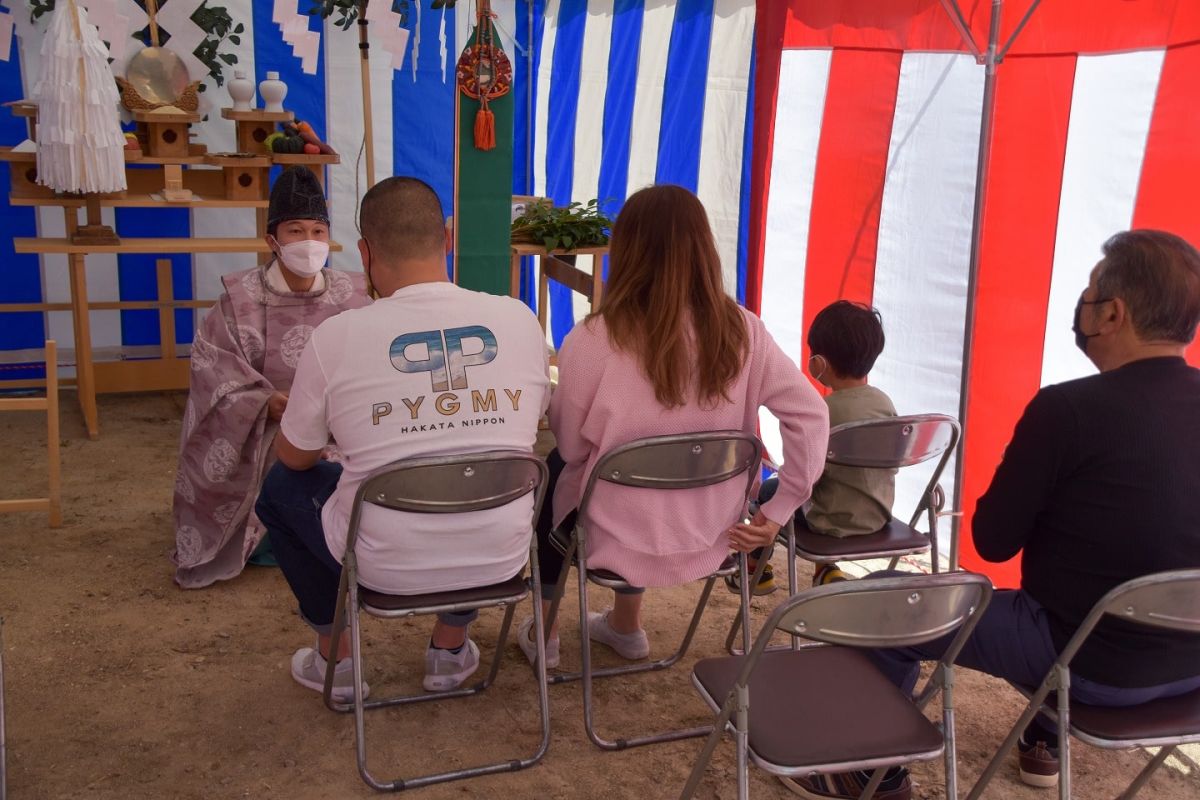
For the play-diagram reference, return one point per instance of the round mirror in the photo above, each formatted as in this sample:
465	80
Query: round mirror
157	75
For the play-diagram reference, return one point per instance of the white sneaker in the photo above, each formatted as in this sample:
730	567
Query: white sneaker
308	669
633	646
529	646
445	670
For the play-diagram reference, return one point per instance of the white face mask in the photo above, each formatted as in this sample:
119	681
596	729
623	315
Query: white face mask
304	258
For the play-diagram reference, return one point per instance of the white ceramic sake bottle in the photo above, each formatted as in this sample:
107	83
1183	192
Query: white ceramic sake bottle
272	91
241	90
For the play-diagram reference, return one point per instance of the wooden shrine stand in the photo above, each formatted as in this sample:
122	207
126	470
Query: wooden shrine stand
52	502
168	172
554	268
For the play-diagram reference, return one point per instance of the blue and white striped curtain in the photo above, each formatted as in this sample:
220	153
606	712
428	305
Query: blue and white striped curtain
624	93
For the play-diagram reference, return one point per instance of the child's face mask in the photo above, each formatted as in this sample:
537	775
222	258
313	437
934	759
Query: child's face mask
817	365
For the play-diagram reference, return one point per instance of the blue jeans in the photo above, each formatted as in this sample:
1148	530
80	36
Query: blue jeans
1012	641
289	506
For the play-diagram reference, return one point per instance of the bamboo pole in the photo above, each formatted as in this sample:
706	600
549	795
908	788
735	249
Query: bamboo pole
364	50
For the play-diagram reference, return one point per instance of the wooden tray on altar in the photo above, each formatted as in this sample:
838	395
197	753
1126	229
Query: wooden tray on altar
257	115
151	116
305	159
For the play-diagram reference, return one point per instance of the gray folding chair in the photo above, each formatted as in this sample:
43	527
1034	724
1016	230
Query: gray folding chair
682	461
823	709
888	443
1164	600
446	485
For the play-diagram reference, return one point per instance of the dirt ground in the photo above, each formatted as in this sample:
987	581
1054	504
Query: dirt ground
121	685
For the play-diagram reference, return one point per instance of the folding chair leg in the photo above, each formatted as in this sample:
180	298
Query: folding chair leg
560	587
1064	733
587	674
741	737
1143	776
1010	741
873	784
710	746
742	621
951	746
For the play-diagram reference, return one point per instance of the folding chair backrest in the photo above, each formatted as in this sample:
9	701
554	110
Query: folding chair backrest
1164	600
454	484
892	442
885	612
682	461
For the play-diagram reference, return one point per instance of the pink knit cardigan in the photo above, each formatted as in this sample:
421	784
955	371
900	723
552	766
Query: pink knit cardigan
665	538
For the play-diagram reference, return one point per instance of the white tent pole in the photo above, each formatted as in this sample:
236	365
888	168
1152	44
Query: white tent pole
990	62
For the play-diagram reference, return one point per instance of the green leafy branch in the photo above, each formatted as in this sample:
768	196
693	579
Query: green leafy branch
347	11
219	28
575	226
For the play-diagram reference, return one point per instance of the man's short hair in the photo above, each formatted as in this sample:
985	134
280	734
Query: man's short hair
849	336
401	219
1157	274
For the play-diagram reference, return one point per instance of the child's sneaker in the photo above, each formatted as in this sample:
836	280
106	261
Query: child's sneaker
765	585
308	670
827	574
446	669
633	646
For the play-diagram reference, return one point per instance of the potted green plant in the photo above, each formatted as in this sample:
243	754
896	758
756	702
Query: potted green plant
563	228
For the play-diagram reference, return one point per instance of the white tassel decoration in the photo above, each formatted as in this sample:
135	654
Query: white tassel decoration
80	142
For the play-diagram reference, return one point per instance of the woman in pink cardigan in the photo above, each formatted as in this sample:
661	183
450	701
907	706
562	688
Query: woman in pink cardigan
667	352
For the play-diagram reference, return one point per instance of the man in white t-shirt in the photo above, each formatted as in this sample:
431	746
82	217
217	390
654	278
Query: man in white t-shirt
428	369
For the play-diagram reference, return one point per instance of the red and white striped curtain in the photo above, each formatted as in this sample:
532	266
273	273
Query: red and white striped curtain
868	117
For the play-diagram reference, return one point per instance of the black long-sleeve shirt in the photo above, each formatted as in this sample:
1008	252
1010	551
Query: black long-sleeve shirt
1101	484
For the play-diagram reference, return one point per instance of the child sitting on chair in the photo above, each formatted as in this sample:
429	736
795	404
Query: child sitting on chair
844	340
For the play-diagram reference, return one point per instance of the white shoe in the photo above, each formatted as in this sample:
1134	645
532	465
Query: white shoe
308	670
529	646
633	646
445	670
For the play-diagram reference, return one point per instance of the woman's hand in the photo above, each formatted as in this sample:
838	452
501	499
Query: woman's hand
759	532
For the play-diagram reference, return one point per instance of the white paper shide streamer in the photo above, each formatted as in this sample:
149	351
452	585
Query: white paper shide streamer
80	142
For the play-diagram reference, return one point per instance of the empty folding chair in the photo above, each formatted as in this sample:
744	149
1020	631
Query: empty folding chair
823	709
683	461
445	485
1164	600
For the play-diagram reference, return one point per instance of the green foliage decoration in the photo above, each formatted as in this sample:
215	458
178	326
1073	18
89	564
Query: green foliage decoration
570	228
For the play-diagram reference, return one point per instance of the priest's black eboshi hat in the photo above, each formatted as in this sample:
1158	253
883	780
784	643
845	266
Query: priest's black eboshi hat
296	195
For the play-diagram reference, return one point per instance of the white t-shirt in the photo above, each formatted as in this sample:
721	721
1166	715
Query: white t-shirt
432	370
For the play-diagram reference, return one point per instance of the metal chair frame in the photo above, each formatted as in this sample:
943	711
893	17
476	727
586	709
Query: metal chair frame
913	440
1165	600
441	485
877	613
740	453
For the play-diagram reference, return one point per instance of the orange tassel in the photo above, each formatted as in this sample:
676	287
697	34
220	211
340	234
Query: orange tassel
485	129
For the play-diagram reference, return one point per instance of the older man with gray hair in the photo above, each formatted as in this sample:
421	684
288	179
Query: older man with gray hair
1100	484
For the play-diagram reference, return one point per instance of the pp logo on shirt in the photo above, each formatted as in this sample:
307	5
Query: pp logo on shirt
446	359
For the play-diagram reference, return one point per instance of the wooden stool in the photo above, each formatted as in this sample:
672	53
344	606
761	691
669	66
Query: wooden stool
51	504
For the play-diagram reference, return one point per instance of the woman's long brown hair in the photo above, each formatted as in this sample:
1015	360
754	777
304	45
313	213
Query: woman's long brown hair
665	302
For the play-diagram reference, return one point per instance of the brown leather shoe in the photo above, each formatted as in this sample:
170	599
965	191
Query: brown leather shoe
1038	763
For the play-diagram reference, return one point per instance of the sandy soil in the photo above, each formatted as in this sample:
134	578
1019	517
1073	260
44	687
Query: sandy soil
120	685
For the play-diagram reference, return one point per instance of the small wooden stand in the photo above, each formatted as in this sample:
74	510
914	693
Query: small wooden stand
95	231
52	503
253	127
245	178
164	135
554	268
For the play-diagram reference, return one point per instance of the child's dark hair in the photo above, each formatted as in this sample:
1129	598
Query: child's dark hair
849	336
